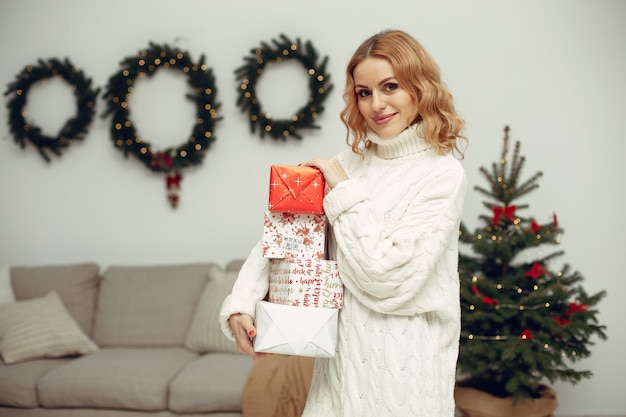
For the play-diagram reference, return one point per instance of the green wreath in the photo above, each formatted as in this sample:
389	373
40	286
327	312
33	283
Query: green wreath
74	128
123	132
319	87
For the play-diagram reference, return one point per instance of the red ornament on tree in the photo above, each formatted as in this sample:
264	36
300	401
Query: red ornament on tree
535	271
575	307
534	226
507	211
561	321
489	301
526	334
486	299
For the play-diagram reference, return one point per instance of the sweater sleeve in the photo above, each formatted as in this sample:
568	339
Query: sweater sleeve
387	265
250	287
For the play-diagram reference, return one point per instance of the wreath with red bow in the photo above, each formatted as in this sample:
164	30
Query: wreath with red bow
126	138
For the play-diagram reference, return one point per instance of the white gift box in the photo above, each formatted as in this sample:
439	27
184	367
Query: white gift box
294	235
305	282
299	331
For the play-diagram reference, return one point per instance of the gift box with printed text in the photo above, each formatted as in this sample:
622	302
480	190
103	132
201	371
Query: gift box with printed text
296	189
305	282
294	235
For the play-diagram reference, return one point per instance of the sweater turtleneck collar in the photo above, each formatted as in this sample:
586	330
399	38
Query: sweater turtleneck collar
405	143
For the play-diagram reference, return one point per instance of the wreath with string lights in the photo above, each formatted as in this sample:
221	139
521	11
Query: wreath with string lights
319	87
74	128
123	133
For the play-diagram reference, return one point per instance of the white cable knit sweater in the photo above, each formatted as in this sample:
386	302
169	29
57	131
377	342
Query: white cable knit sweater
395	224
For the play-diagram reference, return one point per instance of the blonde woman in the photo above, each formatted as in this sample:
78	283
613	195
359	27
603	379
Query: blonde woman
394	202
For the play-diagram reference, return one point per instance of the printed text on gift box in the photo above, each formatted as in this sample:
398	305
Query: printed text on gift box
306	282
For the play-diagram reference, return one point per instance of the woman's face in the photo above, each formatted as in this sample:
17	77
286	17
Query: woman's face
387	108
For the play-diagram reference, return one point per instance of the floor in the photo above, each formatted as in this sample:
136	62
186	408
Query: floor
579	415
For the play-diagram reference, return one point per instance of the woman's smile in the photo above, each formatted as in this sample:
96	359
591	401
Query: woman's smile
383	119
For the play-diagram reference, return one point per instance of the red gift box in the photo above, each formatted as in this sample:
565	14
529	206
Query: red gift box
296	189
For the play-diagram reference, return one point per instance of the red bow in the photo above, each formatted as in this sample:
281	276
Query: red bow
507	211
526	334
534	226
575	307
161	160
562	322
556	223
535	271
173	180
486	299
489	301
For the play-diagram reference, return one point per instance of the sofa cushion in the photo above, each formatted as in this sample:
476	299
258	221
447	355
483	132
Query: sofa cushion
40	328
234	265
205	333
133	379
6	290
76	284
213	382
148	305
18	382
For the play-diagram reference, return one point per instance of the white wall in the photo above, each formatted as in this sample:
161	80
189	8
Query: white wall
554	71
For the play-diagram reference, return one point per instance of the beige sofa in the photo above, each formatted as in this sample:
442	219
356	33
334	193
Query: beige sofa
126	341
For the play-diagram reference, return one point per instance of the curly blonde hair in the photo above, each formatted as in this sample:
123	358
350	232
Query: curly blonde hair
419	75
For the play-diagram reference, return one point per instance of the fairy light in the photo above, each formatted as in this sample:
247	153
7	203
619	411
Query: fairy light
521	307
494	338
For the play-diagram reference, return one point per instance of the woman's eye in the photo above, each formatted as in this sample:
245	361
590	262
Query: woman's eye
362	93
391	87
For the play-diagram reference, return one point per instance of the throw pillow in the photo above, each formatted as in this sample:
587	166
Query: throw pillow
40	328
6	292
76	284
205	333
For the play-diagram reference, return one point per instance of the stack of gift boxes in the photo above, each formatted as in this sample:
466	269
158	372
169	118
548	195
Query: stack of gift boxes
305	290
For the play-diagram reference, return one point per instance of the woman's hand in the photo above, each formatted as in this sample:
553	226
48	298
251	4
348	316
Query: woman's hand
244	331
332	170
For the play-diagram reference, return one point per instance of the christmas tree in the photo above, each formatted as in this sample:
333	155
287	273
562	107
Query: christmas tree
523	323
